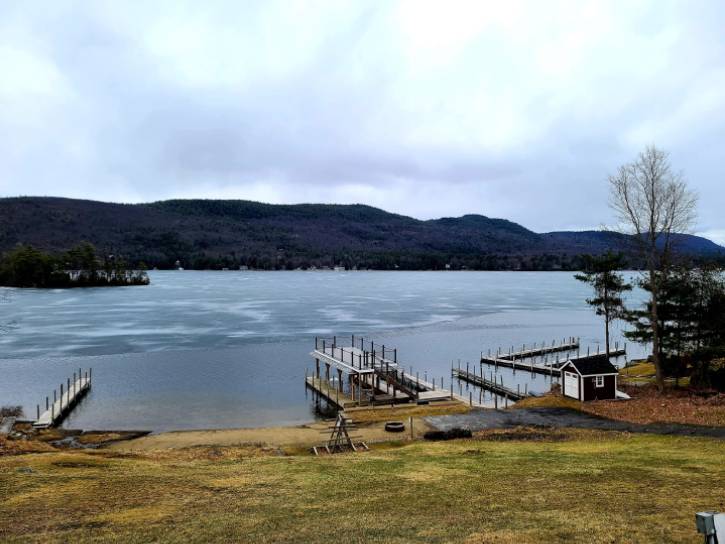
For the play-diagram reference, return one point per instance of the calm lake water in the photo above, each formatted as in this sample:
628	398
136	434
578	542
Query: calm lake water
229	349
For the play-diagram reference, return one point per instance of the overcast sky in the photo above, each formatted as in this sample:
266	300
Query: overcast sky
507	109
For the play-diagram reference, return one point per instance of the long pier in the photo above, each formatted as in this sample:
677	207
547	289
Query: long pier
548	368
570	344
62	404
616	352
490	385
551	370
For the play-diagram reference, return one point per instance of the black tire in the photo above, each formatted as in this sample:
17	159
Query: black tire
395	426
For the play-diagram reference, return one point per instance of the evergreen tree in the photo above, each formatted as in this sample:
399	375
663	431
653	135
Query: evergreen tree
601	272
691	317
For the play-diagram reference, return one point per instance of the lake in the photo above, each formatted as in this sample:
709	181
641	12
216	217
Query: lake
205	349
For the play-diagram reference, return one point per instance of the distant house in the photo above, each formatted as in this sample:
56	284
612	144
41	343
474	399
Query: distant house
589	379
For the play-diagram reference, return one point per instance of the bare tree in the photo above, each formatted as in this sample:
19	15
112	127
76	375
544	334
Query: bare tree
653	203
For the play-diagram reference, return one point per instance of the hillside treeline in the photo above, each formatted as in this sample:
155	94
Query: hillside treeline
214	234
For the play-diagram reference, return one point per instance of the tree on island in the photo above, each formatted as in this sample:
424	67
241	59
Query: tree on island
653	203
601	272
26	266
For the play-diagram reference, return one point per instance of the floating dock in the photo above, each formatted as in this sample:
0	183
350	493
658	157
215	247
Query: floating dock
62	404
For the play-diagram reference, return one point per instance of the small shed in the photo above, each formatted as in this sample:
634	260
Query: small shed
589	379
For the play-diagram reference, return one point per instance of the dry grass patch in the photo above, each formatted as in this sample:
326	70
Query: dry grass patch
549	400
580	486
404	411
648	405
17	447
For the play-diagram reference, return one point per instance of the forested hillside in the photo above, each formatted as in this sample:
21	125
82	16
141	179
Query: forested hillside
233	233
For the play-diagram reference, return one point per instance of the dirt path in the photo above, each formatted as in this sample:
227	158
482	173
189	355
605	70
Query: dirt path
479	420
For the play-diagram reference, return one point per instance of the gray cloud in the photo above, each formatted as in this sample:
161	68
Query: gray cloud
427	109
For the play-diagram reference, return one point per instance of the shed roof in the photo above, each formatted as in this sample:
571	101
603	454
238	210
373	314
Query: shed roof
594	365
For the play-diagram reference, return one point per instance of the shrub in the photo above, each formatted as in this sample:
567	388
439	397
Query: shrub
11	411
455	432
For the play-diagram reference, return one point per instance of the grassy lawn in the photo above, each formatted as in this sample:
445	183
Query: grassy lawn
568	486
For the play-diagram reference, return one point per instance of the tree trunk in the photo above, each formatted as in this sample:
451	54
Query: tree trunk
655	330
607	319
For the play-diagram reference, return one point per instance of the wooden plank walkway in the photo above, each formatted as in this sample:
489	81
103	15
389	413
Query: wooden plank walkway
350	360
353	359
488	385
58	410
572	344
430	392
617	352
551	370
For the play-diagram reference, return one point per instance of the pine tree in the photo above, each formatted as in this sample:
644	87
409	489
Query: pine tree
601	272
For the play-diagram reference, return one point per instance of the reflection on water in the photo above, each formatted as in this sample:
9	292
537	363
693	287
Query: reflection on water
228	349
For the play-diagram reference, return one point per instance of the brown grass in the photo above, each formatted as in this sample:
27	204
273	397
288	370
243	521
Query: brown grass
404	411
16	447
643	372
672	406
647	405
292	439
570	486
549	400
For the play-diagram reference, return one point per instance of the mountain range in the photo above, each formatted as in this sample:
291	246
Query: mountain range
233	233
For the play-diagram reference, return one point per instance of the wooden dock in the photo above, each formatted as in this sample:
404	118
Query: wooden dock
548	368
570	344
360	357
368	374
430	393
551	370
616	352
489	385
62	404
332	394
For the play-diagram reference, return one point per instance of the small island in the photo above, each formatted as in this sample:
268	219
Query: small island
81	266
